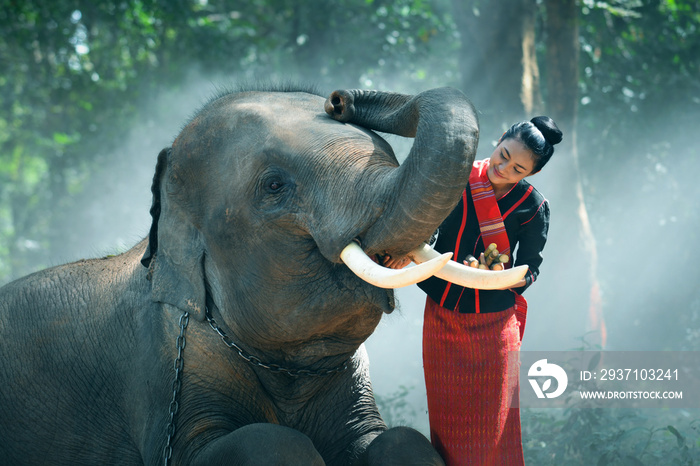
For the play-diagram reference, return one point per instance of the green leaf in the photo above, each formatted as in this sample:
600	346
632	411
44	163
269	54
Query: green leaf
679	437
64	139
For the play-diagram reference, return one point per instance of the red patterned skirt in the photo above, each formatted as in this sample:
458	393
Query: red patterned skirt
471	382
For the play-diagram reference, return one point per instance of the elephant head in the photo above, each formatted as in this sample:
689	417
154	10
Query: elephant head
261	193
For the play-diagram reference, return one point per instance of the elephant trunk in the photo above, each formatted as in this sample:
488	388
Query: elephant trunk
427	186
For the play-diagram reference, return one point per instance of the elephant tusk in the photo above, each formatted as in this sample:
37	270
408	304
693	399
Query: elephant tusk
469	277
355	258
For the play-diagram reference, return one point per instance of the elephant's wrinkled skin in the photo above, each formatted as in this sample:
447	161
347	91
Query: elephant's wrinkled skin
253	204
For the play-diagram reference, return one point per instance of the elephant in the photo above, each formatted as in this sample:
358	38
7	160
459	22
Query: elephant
233	333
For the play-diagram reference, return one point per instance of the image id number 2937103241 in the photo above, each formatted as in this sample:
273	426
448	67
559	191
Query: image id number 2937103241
631	374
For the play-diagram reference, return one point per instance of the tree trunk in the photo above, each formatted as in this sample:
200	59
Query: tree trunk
491	59
530	94
561	29
580	286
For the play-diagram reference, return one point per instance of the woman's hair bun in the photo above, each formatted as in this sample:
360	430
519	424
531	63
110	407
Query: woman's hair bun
548	128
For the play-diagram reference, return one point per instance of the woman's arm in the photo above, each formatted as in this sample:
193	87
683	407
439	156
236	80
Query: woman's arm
532	238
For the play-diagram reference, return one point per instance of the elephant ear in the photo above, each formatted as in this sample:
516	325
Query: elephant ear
175	252
152	246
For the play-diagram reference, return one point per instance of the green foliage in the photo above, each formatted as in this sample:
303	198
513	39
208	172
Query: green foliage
640	94
76	75
584	435
395	408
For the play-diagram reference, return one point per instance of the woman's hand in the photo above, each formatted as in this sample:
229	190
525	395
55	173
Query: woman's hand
395	263
490	259
479	263
483	263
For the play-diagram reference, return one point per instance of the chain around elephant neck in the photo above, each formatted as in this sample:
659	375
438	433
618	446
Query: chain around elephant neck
178	366
177	384
255	361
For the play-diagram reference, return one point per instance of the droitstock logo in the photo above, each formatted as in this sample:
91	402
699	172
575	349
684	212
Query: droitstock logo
607	379
543	371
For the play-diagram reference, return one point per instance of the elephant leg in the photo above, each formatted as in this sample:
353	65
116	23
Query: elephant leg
258	444
402	446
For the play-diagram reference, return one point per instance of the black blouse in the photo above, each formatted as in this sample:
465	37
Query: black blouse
526	218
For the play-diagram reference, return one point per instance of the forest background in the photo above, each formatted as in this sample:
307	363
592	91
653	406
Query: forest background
91	91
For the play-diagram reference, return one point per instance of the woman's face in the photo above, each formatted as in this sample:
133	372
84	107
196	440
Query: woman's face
510	162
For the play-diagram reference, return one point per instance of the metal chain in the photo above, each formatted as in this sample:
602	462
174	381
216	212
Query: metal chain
178	366
180	343
255	361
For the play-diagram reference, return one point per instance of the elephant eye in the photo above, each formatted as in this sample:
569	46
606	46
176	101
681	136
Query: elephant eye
275	185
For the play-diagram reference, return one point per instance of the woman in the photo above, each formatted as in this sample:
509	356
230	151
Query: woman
471	337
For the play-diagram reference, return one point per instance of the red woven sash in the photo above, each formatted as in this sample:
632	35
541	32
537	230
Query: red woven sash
487	212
